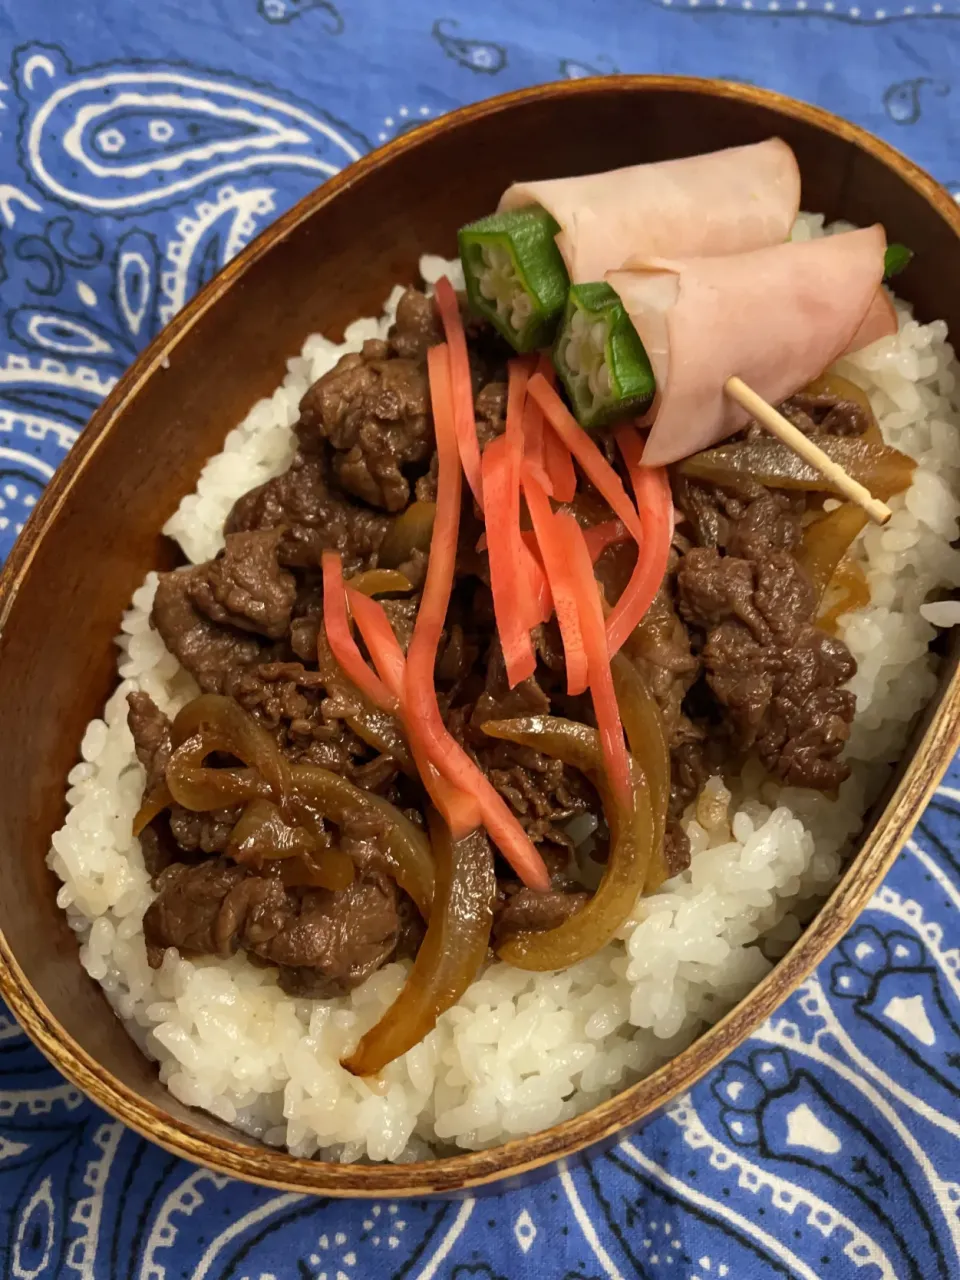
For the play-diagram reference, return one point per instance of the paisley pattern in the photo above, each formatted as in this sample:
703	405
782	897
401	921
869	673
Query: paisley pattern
138	154
475	55
287	10
836	10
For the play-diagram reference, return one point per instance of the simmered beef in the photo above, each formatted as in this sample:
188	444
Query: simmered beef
662	651
342	936
151	736
488	352
521	910
245	586
402	614
425	489
771	522
417	327
331	940
784	699
186	910
676	848
822	412
728	648
490	409
743	523
180	831
543	792
770	595
690	767
202	832
312	519
209	651
279	692
291	701
775	675
375	412
158	846
713	588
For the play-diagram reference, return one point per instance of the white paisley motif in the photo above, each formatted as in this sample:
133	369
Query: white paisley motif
36	427
816	1004
242	208
943	880
449	1240
237	1228
9	195
39	62
39	1102
586	1226
39	1207
79	380
910	913
768	1242
10	1029
784	1195
68	337
946	1192
82	122
87	1212
134	275
184	1199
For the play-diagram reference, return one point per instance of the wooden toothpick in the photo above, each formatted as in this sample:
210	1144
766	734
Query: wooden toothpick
792	436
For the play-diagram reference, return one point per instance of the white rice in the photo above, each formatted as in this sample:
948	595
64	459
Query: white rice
520	1051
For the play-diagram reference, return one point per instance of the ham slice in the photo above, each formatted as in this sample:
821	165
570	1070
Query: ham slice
776	317
724	202
879	322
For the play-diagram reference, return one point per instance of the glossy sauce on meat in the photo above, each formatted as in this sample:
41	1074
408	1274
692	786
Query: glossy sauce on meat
729	649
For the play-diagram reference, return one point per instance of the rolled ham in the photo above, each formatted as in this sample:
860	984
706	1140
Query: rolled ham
724	202
879	322
776	317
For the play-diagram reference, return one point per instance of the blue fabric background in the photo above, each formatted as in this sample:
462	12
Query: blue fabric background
141	146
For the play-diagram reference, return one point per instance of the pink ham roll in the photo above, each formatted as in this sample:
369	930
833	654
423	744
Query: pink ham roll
725	202
775	317
879	322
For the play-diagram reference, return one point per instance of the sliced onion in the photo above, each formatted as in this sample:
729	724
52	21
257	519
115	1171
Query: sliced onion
409	532
404	846
884	471
380	582
647	736
231	730
450	955
199	788
632	836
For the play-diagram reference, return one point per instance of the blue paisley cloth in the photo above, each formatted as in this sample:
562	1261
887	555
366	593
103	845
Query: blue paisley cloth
141	147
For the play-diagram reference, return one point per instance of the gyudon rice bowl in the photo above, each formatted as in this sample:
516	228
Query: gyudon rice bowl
519	696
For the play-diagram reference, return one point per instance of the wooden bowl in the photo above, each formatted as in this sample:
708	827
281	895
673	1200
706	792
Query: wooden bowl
95	534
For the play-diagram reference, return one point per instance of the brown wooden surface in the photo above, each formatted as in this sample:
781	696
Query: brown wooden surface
94	535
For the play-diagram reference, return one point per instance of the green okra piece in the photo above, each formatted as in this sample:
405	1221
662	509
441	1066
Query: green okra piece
515	274
895	259
600	358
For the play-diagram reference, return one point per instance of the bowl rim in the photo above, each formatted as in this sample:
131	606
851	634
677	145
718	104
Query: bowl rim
461	1172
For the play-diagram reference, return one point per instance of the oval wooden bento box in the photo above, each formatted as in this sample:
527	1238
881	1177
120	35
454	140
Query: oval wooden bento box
94	535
